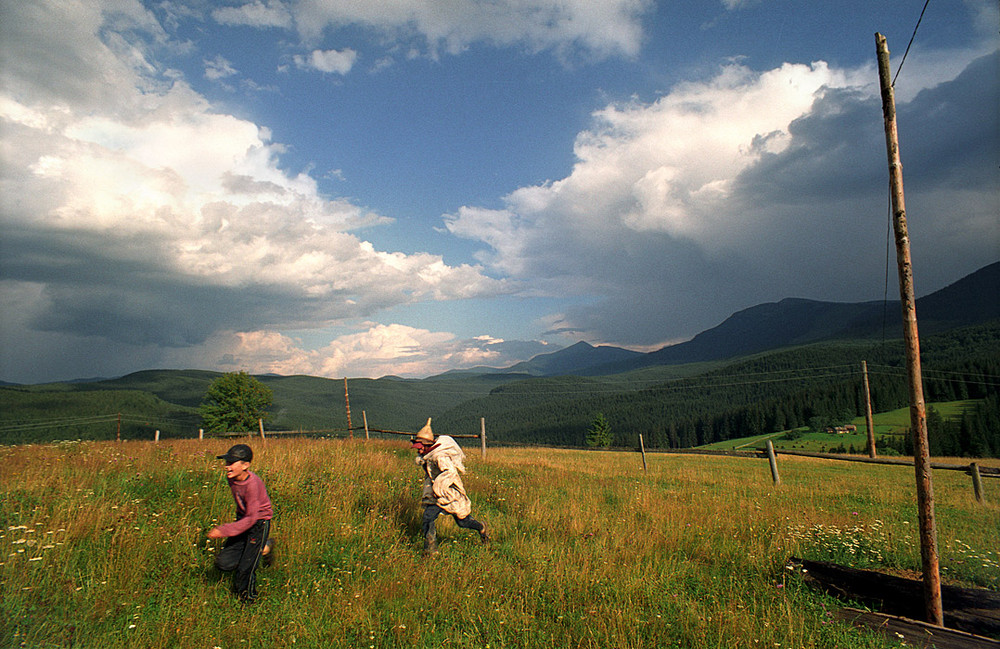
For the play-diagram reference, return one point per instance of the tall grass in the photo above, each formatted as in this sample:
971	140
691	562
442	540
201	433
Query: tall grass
103	545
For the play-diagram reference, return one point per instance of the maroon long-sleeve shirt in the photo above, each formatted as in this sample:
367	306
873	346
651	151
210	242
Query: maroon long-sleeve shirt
252	504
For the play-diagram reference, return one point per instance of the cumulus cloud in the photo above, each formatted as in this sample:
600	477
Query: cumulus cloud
569	28
374	350
337	61
255	14
610	28
742	183
139	214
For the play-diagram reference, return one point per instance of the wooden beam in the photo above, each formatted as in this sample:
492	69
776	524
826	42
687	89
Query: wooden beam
914	632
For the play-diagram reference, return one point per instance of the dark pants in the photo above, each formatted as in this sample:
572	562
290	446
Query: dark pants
431	513
242	554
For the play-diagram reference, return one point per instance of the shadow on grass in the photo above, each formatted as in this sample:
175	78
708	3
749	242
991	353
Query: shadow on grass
408	514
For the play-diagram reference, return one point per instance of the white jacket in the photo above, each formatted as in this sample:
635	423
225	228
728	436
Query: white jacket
442	480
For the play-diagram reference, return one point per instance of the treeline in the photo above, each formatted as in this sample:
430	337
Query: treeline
167	400
976	433
767	393
31	416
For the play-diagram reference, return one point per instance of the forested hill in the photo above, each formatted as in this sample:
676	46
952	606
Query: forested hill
753	395
740	385
670	405
974	299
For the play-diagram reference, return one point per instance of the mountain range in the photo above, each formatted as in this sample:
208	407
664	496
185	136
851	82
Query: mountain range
974	299
553	397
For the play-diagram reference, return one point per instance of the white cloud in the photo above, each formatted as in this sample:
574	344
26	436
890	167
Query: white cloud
177	220
255	14
218	68
376	350
750	183
336	61
608	28
663	168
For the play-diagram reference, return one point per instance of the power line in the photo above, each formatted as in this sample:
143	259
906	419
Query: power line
91	420
903	60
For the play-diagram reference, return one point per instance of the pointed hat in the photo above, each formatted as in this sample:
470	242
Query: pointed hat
425	434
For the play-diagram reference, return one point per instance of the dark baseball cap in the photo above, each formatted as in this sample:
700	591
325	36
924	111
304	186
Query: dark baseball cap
238	453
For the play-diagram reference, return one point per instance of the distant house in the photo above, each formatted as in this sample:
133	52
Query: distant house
840	430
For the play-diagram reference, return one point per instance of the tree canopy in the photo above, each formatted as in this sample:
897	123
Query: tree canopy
234	403
599	434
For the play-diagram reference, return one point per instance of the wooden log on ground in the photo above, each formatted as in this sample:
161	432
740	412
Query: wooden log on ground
973	610
914	632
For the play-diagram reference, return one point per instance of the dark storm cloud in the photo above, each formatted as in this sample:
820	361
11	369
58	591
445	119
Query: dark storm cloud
92	288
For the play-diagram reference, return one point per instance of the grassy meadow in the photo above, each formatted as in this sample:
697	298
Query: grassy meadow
891	422
103	545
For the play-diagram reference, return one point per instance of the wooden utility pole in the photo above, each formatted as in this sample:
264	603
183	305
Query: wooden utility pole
773	462
918	414
118	434
347	402
869	422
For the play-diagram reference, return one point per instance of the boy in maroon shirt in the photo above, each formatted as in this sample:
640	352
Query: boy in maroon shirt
247	536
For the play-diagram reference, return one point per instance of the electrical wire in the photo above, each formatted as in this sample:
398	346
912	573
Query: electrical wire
903	60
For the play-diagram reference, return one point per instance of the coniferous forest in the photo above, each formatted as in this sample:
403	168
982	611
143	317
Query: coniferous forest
767	393
670	406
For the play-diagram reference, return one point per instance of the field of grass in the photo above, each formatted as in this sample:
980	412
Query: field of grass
897	422
892	422
103	545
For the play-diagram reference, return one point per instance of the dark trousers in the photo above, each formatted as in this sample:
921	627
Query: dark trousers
242	554
431	513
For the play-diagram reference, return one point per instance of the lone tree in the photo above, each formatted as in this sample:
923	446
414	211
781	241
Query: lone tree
599	434
234	403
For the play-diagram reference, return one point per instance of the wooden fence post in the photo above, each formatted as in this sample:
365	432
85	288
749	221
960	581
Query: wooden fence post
156	436
977	483
773	462
364	417
642	448
869	422
201	433
347	404
482	435
260	422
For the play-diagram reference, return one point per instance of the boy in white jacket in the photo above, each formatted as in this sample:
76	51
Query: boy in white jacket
443	462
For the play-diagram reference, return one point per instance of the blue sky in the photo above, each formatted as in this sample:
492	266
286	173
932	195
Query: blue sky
354	189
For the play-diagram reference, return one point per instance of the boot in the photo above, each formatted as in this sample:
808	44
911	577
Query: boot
430	543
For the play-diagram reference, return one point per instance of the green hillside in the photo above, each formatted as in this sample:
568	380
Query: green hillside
894	423
33	416
167	400
671	405
763	393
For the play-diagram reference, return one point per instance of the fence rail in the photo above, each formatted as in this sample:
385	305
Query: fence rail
349	431
991	472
